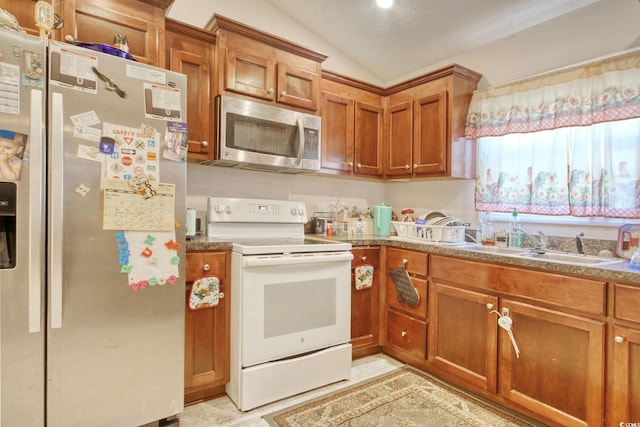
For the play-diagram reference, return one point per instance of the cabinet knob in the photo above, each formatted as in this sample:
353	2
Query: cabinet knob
206	267
283	93
403	333
359	165
270	90
205	143
619	339
407	167
489	306
364	258
415	166
405	261
350	164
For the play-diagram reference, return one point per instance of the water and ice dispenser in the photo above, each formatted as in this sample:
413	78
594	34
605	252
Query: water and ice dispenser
8	191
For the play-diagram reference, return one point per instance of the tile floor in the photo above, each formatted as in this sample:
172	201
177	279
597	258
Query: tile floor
222	411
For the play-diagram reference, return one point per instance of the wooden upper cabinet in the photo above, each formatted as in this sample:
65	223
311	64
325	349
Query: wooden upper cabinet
399	139
425	122
352	126
190	51
23	11
98	21
259	65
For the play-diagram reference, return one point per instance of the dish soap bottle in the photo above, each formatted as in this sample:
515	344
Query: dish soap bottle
515	236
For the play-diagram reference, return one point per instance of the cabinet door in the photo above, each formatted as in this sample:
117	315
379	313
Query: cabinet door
626	376
206	331
297	87
337	132
400	139
365	305
368	139
193	56
560	371
98	21
463	335
23	11
430	134
250	74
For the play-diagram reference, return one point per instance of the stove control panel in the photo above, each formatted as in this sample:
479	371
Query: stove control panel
238	210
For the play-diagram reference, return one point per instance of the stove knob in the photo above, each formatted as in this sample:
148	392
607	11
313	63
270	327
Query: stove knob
219	209
294	211
300	211
227	209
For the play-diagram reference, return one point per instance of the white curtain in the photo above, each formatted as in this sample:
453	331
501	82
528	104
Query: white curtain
564	143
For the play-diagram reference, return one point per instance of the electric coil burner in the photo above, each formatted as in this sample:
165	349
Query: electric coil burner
290	301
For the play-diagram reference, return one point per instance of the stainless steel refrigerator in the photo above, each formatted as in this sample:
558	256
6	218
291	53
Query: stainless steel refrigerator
91	315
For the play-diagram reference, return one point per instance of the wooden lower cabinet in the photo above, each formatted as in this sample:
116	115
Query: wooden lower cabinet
559	375
207	331
406	326
463	334
625	360
560	372
365	305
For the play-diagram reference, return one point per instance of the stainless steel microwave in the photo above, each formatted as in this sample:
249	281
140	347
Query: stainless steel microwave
252	135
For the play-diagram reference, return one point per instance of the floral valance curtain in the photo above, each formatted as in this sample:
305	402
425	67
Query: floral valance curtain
562	143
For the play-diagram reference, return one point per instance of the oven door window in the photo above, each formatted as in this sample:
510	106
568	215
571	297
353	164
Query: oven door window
288	310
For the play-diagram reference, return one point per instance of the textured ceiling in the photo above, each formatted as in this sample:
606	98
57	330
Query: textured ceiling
414	34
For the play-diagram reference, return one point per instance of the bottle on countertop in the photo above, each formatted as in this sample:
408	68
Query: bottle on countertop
487	231
515	235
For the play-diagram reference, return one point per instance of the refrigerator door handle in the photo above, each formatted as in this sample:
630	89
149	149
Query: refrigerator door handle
36	186
55	212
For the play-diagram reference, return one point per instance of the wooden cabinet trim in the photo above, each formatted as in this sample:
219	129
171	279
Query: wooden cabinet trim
218	22
627	302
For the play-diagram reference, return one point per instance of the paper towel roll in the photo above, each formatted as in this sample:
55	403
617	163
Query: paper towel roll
191	222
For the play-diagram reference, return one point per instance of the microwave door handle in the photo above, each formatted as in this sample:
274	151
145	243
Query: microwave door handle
301	139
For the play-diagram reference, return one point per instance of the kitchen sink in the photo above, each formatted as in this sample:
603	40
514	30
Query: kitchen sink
569	258
497	250
550	256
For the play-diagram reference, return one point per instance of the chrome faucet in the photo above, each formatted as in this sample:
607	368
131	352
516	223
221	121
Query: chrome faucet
540	241
579	247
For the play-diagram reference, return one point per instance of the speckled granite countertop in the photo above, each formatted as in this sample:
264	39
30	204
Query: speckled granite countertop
610	272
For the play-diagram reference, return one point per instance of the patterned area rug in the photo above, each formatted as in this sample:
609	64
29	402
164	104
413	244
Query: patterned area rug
404	397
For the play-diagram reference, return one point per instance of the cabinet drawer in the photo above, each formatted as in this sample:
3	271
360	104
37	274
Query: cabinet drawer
627	302
551	288
416	262
203	263
418	311
407	333
371	257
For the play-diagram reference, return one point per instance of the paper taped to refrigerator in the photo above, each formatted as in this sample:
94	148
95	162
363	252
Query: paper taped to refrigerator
134	152
126	209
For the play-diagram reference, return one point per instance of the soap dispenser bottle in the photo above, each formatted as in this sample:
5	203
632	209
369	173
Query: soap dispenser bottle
515	236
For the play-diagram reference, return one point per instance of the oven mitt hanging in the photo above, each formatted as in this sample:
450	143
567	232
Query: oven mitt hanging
405	291
205	293
363	276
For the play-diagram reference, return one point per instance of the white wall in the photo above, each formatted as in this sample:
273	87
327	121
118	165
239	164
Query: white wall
603	28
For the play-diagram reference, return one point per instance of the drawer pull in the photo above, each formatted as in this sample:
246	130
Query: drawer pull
619	339
403	333
489	306
364	258
405	261
206	267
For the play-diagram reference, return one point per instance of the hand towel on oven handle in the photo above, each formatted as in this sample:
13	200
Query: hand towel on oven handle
405	291
205	293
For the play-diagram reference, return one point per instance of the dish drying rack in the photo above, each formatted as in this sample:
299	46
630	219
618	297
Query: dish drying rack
446	229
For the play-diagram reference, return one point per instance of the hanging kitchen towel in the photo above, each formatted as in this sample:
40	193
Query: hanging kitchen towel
405	291
205	293
363	276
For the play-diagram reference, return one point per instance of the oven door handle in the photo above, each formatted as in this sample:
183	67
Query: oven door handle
295	259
